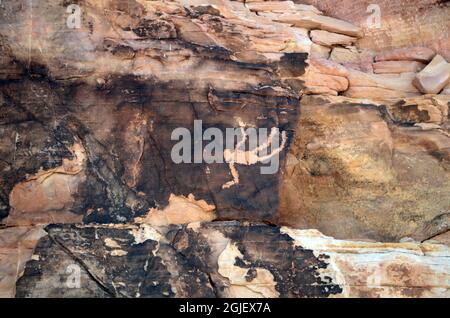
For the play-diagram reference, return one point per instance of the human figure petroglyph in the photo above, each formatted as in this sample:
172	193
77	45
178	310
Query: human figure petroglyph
259	143
251	157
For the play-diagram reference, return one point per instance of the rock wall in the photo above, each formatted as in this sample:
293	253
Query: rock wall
93	204
402	23
228	259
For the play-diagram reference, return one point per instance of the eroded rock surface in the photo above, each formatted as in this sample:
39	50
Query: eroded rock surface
229	259
86	122
356	171
16	248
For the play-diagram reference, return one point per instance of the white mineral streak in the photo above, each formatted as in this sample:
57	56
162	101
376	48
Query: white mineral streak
365	269
144	233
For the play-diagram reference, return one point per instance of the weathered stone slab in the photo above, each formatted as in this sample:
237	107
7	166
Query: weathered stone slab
311	20
331	39
336	83
397	82
377	93
420	54
325	77
397	67
280	6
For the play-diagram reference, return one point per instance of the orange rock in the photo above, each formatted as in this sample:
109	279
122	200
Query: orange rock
397	67
325	77
397	82
332	82
181	210
433	78
376	93
16	248
331	39
329	67
319	90
420	54
47	196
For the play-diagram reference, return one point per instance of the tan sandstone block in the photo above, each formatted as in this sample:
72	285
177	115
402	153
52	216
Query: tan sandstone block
280	6
397	82
331	39
320	51
397	67
333	82
376	93
311	20
329	67
434	77
420	54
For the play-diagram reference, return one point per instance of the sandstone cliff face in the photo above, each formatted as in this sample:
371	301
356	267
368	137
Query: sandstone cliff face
402	23
87	174
354	173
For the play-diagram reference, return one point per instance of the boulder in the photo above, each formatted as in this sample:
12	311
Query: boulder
434	77
397	67
331	39
419	54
